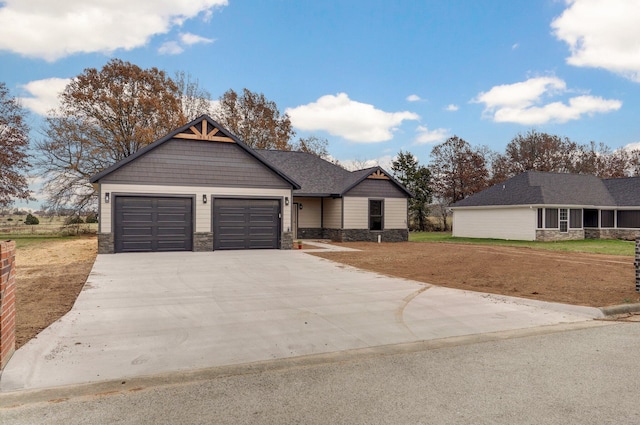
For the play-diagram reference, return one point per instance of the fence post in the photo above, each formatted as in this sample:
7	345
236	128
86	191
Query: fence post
7	301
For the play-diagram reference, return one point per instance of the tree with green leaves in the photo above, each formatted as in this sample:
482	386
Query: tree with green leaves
14	142
104	116
31	220
417	179
255	120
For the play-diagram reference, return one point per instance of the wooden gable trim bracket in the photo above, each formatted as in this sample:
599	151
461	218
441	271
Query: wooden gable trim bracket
378	175
206	135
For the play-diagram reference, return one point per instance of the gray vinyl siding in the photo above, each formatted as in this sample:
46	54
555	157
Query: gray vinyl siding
189	162
376	188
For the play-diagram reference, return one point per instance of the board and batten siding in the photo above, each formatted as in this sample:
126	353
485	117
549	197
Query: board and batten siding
332	213
202	211
496	223
310	216
356	213
197	163
372	188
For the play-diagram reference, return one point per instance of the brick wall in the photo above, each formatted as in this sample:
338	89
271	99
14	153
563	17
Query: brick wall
637	264
7	301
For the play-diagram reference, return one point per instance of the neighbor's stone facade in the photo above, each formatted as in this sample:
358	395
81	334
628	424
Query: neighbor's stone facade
623	234
546	235
7	301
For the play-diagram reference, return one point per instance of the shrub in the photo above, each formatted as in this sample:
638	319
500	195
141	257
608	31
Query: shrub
91	218
31	220
74	219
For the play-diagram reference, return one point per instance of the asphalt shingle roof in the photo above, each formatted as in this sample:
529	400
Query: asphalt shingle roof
316	176
540	188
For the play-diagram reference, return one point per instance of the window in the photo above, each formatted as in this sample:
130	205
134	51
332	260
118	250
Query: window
575	219
375	214
606	218
551	218
564	228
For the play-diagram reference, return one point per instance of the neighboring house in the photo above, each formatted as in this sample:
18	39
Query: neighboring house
552	206
200	189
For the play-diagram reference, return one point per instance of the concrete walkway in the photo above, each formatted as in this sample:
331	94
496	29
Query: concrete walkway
142	314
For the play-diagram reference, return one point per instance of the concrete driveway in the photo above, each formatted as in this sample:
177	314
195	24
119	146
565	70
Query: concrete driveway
142	314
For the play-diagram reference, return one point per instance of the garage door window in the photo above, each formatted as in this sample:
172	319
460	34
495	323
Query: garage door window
376	208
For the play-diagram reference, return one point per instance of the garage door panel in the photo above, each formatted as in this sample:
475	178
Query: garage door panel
147	224
246	224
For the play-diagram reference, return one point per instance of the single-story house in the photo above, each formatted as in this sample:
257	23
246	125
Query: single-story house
200	188
552	206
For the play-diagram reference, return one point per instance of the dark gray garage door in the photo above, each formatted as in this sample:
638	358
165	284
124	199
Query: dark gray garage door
246	223
149	224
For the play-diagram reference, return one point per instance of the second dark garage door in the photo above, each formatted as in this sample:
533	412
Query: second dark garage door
246	223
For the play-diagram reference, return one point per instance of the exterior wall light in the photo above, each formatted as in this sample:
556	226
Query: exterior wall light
204	199
286	200
106	197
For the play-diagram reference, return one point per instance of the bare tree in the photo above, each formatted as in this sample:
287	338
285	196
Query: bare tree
254	119
14	141
105	116
194	100
312	144
457	170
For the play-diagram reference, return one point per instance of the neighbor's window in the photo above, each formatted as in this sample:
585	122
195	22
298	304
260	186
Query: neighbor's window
563	220
575	219
606	218
375	214
540	212
629	219
551	218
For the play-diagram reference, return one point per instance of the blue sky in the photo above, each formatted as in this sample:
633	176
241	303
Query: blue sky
373	77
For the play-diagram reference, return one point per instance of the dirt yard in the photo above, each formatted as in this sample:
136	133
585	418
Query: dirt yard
573	278
50	275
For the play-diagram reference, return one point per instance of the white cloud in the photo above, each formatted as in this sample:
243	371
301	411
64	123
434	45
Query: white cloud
170	48
360	164
602	34
177	47
430	136
54	29
190	39
521	94
343	117
43	94
631	146
451	107
520	103
413	98
515	46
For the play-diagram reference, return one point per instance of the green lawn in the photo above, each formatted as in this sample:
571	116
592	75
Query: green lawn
23	240
596	246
